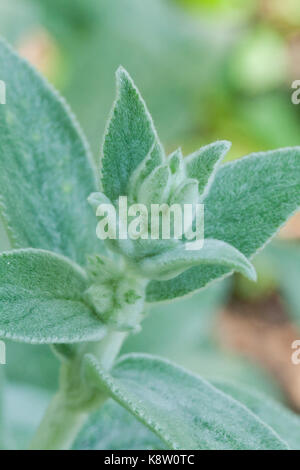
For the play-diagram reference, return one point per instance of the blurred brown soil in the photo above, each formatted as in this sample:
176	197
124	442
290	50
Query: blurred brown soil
291	230
261	331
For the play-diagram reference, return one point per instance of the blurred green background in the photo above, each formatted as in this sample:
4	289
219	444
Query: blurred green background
208	69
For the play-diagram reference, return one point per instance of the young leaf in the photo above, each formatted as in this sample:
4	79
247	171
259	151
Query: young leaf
129	138
177	168
202	164
155	186
249	200
112	427
41	299
95	199
46	172
153	160
186	193
173	262
281	419
185	411
175	161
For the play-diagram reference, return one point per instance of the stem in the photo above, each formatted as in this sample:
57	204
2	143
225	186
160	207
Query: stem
62	422
108	349
59	426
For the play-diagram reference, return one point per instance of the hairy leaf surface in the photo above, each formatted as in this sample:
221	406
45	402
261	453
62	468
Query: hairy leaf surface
281	419
185	411
46	172
249	200
112	427
41	299
128	140
213	252
203	163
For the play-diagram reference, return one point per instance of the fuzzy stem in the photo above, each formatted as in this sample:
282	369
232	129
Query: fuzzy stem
59	426
62	422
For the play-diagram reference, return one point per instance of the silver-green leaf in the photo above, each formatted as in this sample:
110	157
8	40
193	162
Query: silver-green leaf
112	427
214	252
46	172
202	164
185	411
281	419
129	137
41	299
249	200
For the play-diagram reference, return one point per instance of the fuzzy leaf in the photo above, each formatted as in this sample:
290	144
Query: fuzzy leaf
173	262
95	199
281	419
41	299
175	161
129	138
155	186
202	164
185	411
249	200
114	428
46	172
186	193
153	160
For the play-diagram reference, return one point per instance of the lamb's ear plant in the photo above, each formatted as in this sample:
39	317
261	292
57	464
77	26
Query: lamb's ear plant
62	286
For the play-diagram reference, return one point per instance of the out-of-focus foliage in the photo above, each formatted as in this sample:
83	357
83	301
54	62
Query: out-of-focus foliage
24	408
177	59
284	259
32	365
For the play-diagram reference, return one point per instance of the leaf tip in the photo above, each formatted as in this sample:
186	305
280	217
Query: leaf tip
122	75
250	272
225	145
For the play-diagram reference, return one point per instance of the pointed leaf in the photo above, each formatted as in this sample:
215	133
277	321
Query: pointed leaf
185	411
203	163
129	137
41	299
213	252
186	193
46	172
155	186
95	199
249	200
175	161
153	160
